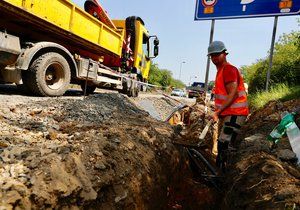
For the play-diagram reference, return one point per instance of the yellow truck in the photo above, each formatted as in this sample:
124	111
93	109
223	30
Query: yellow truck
46	45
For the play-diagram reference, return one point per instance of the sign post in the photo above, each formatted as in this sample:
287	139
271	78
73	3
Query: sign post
212	28
271	52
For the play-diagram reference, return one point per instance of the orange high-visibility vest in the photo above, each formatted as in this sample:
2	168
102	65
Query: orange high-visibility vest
239	105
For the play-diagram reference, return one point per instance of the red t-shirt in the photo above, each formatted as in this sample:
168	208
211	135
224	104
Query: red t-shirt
230	74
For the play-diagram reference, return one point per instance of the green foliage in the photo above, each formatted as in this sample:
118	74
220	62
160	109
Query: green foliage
286	65
211	85
277	92
284	75
163	77
154	75
177	83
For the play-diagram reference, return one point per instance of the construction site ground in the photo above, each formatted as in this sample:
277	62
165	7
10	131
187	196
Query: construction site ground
108	151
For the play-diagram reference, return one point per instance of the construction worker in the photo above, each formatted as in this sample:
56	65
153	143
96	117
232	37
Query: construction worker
231	106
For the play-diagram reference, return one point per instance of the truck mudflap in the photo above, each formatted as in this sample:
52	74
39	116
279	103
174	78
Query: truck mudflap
9	48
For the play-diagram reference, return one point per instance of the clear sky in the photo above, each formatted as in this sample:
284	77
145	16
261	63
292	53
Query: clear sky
184	40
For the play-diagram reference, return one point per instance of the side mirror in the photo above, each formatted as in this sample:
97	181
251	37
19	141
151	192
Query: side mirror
154	46
156	49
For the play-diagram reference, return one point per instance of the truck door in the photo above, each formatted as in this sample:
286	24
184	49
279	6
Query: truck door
142	59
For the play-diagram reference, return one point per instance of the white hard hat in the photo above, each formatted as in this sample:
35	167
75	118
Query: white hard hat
216	47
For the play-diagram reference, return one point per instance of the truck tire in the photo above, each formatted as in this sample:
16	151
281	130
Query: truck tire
144	88
89	88
134	92
134	89
48	75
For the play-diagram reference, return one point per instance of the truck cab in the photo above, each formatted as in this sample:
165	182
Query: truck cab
141	45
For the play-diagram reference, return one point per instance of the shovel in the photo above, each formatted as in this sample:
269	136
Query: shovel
204	132
201	137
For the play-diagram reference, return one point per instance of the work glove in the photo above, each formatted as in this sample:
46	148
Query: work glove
215	115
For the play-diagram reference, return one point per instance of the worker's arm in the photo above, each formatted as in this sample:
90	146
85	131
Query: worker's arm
231	89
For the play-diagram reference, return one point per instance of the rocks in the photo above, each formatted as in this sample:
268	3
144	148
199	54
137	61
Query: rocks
3	145
100	165
63	153
119	198
255	138
98	153
51	134
130	145
116	140
287	155
256	142
12	197
36	111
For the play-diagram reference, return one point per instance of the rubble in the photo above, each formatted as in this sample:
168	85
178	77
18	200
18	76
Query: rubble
105	152
190	121
259	175
262	176
100	152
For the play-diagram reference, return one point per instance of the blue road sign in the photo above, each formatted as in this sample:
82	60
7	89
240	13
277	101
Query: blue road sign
229	9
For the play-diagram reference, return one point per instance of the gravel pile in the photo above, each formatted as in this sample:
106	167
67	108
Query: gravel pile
83	153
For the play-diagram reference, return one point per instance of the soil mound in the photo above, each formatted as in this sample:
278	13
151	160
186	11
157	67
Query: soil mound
260	177
99	153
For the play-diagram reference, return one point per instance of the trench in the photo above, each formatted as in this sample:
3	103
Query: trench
195	188
196	183
106	153
113	159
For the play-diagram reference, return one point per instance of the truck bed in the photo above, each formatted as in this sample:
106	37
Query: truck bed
62	22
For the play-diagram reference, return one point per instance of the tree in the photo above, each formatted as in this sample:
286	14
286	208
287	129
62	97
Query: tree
163	77
286	64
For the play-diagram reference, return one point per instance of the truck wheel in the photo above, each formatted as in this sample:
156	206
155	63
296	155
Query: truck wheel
89	88
134	89
48	75
134	92
143	88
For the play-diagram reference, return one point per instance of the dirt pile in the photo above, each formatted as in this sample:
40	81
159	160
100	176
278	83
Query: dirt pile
258	177
261	178
191	121
102	152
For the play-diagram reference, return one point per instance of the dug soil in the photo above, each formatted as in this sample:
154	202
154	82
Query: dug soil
98	152
263	176
260	174
105	152
101	152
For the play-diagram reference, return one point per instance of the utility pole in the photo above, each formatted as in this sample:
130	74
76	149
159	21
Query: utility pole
180	69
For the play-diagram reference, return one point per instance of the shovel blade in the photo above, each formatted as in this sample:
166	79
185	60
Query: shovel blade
205	130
